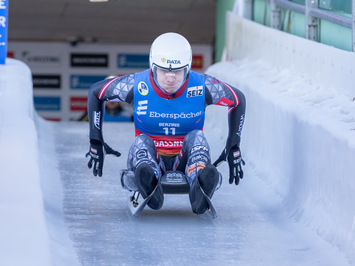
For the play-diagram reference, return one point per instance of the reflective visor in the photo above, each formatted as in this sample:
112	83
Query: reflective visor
169	80
170	71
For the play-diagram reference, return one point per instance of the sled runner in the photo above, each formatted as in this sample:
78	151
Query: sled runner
172	182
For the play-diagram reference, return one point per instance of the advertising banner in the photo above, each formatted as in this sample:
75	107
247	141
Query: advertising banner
89	60
78	103
3	30
133	61
62	74
41	59
46	81
84	81
47	103
197	62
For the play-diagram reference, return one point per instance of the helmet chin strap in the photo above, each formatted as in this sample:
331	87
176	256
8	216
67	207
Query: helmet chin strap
169	92
172	93
162	89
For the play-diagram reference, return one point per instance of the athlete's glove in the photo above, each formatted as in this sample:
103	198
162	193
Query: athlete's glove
97	154
109	150
235	162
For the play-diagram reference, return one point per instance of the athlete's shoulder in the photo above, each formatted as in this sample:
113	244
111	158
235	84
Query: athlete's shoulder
117	87
142	73
196	74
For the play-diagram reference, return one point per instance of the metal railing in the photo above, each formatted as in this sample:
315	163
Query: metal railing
312	15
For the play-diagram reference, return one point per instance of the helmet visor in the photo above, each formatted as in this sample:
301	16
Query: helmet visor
170	80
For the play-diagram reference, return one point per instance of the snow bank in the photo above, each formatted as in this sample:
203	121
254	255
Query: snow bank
299	133
24	238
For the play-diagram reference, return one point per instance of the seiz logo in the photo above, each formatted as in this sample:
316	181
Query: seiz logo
142	107
194	91
97	116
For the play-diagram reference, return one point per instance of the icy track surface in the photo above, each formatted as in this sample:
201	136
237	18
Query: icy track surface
251	229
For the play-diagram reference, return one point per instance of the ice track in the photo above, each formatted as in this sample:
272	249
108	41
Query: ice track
252	228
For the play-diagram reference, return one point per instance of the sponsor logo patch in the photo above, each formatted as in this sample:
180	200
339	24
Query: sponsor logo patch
97	116
169	61
143	88
236	154
175	115
143	153
194	91
224	102
142	107
195	167
199	148
199	158
168	143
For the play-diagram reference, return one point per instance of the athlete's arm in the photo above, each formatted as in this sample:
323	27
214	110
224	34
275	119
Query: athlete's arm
116	89
220	93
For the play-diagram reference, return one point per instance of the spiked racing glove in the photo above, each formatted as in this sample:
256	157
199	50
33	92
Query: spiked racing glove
235	162
109	150
97	154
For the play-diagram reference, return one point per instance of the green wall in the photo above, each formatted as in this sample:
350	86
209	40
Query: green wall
294	23
222	7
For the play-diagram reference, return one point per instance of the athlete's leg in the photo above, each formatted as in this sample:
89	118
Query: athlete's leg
195	161
142	159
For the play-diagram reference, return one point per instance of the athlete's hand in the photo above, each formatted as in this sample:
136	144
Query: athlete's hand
235	162
97	154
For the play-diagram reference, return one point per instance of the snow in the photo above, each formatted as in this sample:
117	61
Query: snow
21	199
294	206
301	149
306	87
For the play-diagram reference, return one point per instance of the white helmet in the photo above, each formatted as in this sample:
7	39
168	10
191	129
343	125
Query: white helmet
170	51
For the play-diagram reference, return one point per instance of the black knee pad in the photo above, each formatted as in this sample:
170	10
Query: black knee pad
143	150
